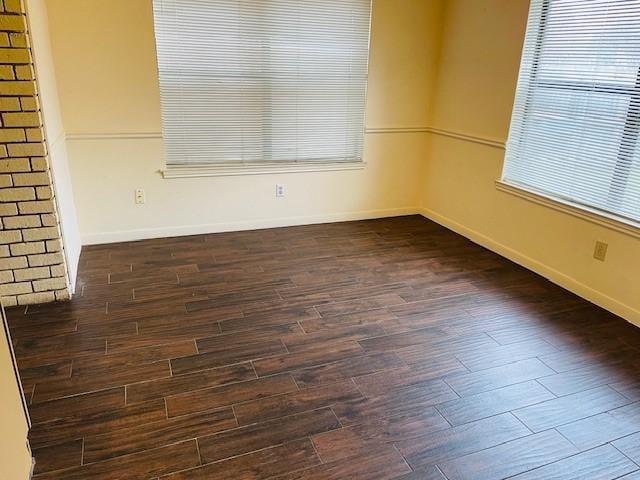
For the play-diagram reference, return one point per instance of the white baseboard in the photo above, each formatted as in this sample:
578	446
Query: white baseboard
164	232
611	304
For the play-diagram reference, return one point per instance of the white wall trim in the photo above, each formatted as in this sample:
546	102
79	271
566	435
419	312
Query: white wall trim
220	170
605	301
164	232
487	141
114	136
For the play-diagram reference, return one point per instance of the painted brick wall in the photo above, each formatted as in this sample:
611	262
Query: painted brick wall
32	268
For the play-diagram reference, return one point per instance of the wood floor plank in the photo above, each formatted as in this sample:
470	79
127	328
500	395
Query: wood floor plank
482	405
398	402
309	358
263	464
58	431
144	465
345	369
209	398
77	406
462	440
58	457
630	446
602	463
383	381
504	354
146	436
296	402
383	464
375	434
517	456
145	391
267	434
603	428
466	384
563	410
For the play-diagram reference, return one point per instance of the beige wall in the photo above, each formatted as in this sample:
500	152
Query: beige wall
54	133
106	73
15	457
478	69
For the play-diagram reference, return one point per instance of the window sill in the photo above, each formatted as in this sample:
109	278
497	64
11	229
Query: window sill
190	171
579	211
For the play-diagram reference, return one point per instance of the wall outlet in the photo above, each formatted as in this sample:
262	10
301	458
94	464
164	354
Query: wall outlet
279	190
600	251
140	196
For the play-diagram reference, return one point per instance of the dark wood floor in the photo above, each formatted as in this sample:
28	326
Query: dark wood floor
386	349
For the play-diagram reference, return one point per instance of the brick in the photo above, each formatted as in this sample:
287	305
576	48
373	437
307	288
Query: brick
6	71
15	165
34	298
26	149
22	221
8	209
30	179
14	56
21	119
62	295
32	274
18	40
9	301
29	104
4	251
6	181
34	135
49	220
4	39
11	23
49	284
10	104
39	206
13	262
18	87
13	6
17	194
3	151
6	276
42	233
39	164
24	72
10	236
54	245
28	248
12	135
44	193
58	271
15	288
45	259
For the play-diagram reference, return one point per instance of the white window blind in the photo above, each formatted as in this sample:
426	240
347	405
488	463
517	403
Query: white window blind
262	81
576	119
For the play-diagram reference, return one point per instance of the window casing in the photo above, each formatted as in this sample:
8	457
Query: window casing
575	126
262	82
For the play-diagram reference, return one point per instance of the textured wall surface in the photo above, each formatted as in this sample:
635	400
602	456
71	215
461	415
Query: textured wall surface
32	266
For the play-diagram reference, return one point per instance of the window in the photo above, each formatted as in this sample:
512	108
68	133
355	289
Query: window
262	82
575	127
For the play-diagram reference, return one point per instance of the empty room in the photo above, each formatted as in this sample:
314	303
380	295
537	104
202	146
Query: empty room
320	239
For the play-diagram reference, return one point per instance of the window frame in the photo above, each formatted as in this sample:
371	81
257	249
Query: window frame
622	168
270	165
